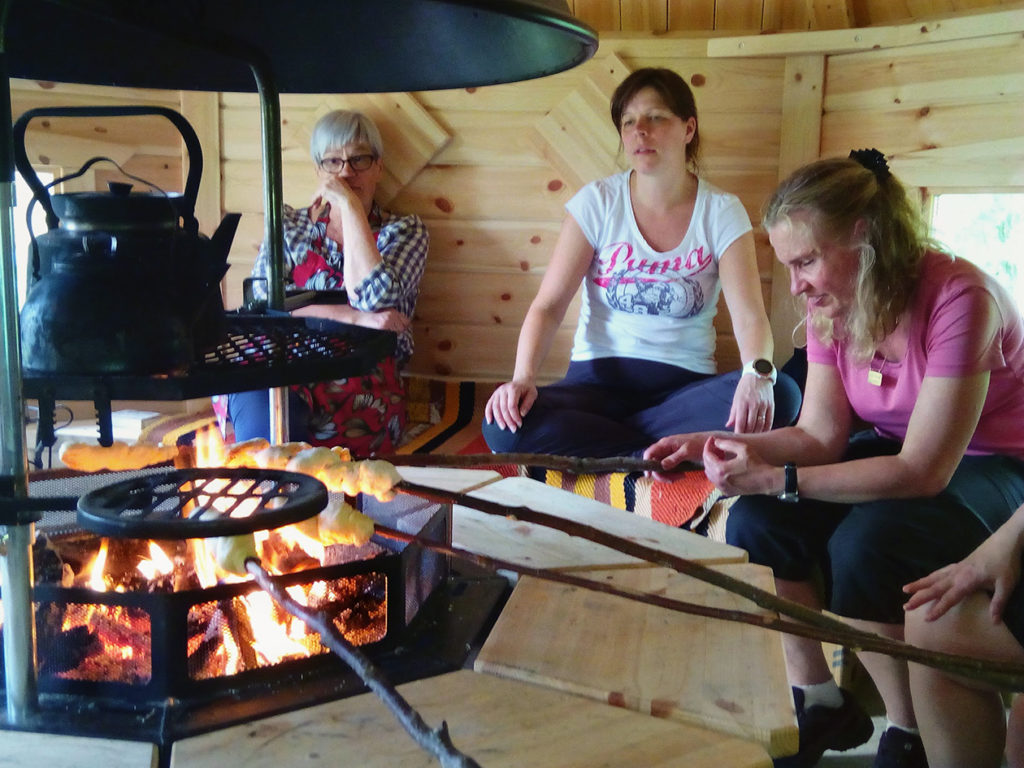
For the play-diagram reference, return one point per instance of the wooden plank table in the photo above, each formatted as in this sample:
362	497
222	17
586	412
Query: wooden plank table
453	479
541	547
500	723
722	675
19	749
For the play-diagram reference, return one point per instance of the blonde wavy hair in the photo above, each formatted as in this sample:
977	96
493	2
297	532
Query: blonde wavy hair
837	193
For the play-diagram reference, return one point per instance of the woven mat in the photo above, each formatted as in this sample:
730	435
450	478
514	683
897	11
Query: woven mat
675	503
167	430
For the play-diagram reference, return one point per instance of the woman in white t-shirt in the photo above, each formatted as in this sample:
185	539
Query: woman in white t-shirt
654	247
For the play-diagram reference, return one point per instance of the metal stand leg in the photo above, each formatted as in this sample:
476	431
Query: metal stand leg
15	539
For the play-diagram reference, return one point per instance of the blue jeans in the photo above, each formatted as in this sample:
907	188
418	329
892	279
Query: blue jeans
250	415
619	406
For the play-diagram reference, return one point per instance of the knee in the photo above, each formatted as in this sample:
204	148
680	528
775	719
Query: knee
747	523
752	526
788	399
866	537
500	440
920	632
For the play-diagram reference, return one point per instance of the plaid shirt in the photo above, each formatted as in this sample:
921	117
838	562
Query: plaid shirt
312	261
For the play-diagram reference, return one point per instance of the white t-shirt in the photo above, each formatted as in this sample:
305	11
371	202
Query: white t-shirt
639	302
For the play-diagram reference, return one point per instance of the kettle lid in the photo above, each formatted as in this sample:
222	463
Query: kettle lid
119	208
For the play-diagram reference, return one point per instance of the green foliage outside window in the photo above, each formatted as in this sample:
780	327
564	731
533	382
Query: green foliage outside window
988	229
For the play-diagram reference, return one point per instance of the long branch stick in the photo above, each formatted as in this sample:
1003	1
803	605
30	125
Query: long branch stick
810	623
436	741
573	464
996	674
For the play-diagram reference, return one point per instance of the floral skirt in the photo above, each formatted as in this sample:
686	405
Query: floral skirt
366	414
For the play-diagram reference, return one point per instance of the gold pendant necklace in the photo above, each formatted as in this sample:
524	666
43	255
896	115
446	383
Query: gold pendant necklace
875	377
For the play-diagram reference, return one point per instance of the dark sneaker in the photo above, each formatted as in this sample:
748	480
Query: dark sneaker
899	749
821	728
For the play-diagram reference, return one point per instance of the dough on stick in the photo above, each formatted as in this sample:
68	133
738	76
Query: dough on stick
119	456
341	523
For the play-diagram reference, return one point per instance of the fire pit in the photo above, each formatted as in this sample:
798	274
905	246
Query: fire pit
137	638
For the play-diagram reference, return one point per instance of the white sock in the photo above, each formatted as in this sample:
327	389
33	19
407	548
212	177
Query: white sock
825	694
890	724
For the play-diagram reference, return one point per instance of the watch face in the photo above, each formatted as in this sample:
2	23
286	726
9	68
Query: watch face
763	367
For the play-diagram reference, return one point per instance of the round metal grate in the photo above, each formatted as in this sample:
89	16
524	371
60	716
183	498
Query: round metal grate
168	505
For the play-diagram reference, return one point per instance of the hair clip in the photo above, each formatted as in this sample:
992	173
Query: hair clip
873	160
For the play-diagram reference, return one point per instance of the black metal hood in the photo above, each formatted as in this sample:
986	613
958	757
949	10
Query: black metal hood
329	46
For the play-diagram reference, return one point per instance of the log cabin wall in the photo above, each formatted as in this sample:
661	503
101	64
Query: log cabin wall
490	169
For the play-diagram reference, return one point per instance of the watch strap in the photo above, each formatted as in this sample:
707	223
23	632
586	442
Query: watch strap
791	490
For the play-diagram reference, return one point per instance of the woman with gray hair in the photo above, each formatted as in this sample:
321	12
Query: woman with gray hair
345	242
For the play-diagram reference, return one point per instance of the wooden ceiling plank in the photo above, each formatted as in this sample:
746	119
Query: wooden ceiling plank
738	14
779	15
691	14
643	15
831	14
602	15
864	39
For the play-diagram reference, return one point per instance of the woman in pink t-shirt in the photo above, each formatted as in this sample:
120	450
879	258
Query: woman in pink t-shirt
908	452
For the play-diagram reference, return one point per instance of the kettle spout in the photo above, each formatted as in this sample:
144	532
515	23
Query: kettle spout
220	242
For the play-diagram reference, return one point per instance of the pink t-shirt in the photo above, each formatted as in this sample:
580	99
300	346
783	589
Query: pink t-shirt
955	304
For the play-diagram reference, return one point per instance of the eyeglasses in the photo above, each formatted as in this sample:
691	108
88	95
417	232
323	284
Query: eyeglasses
356	163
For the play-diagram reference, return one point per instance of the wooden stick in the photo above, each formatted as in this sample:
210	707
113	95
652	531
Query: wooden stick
435	741
574	464
810	623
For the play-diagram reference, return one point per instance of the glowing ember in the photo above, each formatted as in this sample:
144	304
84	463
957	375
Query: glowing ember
224	624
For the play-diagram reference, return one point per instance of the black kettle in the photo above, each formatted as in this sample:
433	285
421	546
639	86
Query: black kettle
122	282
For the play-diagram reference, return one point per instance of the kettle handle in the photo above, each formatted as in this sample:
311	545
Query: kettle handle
195	152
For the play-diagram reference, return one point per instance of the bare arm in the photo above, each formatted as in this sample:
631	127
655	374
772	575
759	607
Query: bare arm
348	214
820	435
569	263
384	319
941	425
753	405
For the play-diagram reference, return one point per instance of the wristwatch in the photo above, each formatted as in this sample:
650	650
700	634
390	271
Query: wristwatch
790	493
762	368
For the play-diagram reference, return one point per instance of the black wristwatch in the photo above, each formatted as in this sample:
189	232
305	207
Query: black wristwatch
762	368
791	493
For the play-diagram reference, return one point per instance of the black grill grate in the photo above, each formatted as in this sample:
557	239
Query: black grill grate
255	352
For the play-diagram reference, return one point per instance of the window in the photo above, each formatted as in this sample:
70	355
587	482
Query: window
987	229
22	198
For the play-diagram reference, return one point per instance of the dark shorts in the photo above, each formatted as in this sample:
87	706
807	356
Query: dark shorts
866	553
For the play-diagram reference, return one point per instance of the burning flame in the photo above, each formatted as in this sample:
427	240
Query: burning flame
99	563
243	632
209	447
158	564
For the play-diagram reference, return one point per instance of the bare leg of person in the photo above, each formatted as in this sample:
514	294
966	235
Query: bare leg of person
889	675
805	659
1015	734
962	722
